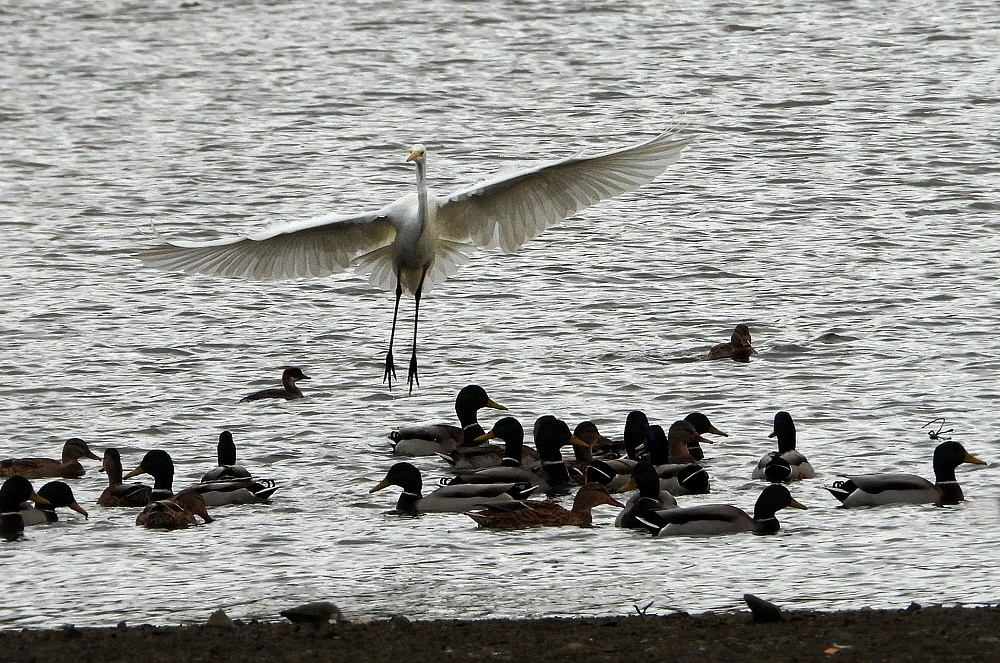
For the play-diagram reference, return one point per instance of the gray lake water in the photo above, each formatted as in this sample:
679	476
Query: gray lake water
841	199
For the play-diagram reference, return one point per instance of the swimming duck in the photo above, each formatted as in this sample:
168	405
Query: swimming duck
722	518
642	440
14	491
457	498
57	494
551	435
651	497
430	439
118	493
668	452
738	348
583	454
227	468
160	466
702	425
614	473
288	390
878	489
177	512
512	453
588	432
534	513
770	466
550	476
512	466
43	468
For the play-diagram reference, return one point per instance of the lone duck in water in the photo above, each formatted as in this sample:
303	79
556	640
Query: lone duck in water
879	489
738	348
288	389
68	467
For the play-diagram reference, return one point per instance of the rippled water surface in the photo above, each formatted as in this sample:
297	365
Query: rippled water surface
841	199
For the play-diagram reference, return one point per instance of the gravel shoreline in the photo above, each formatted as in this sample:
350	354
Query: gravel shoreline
913	634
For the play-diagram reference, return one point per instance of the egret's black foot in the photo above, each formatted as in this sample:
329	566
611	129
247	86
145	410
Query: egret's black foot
390	370
411	375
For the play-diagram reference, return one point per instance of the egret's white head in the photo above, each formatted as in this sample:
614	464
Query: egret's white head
417	153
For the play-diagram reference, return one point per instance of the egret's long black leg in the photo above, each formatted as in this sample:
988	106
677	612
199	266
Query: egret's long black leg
411	375
390	366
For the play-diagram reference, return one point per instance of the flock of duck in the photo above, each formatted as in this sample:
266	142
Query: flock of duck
228	483
494	483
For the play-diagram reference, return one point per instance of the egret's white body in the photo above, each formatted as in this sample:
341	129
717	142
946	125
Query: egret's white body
421	239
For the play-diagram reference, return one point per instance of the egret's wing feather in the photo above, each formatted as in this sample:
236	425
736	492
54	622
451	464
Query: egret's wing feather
512	209
317	247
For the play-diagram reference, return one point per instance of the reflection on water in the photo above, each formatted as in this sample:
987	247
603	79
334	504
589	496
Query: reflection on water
840	200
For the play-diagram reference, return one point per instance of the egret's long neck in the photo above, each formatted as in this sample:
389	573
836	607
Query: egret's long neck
421	194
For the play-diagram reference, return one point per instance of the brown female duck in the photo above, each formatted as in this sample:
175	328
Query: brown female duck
533	513
43	468
118	493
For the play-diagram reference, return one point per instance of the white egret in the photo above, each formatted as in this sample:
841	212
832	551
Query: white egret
421	239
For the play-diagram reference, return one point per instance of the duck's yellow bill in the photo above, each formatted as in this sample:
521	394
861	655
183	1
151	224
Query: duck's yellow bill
969	458
485	436
493	404
136	472
79	509
797	505
38	499
384	483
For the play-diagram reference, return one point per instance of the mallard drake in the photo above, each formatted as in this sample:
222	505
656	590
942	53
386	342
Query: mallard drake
288	390
227	468
722	518
511	468
160	466
702	425
457	498
614	473
878	489
677	476
649	498
738	348
668	452
770	466
551	435
430	439
118	493
176	512
57	494
44	468
13	493
533	513
512	453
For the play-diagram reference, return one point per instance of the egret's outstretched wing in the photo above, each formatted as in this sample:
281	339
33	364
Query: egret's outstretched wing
514	208
318	247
